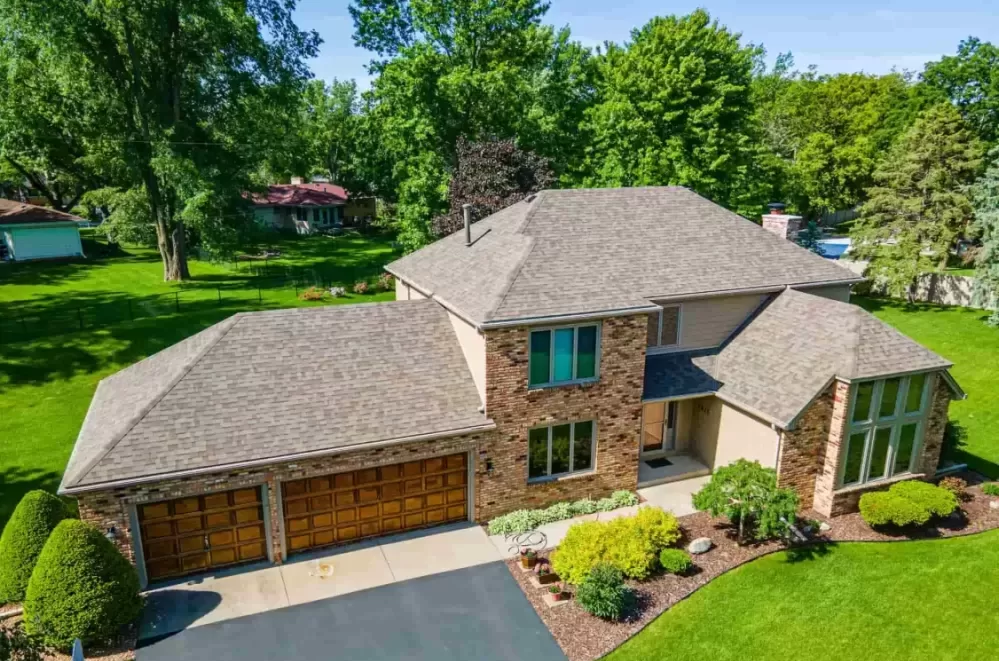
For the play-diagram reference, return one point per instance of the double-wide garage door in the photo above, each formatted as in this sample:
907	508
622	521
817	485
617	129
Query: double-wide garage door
331	509
193	534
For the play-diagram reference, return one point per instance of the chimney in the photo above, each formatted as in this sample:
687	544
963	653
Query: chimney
297	181
466	210
783	225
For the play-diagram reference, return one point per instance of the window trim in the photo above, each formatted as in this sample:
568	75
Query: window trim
575	354
659	347
548	477
895	423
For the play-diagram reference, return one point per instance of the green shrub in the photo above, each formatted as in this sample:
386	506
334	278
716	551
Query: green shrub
991	488
82	587
521	521
631	544
935	500
747	493
658	526
604	593
880	508
15	645
675	561
34	519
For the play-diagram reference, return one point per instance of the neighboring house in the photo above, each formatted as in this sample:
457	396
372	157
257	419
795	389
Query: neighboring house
310	207
578	342
31	232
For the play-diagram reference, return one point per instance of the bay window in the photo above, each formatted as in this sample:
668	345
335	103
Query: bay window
886	425
557	450
564	355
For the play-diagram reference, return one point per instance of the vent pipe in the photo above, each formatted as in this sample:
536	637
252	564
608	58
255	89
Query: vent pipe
466	210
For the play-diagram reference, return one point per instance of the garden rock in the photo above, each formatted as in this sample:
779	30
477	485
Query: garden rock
700	545
824	527
994	504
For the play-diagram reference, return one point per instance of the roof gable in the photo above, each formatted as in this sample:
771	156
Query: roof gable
19	213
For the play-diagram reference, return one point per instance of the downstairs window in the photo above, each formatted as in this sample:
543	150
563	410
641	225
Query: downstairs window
885	433
557	450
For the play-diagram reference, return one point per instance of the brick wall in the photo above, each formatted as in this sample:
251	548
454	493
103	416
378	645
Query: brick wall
803	450
832	502
110	508
614	401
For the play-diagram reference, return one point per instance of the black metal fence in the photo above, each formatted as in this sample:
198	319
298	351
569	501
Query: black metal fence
52	316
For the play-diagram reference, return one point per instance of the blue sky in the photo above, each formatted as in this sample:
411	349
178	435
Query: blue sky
837	36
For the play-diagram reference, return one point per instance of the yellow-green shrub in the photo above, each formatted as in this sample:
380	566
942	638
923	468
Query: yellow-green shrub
631	544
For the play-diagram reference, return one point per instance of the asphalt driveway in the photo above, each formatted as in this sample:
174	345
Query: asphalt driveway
473	613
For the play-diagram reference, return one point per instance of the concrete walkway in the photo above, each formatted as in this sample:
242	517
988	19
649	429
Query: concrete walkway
243	591
673	497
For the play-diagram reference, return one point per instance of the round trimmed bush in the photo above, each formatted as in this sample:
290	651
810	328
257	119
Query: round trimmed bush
34	519
675	561
880	508
938	501
604	593
82	587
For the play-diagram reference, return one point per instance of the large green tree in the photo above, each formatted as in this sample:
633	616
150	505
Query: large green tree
674	107
919	206
829	131
473	69
986	203
970	80
185	91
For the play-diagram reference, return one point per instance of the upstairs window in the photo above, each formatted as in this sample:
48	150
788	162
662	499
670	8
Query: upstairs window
887	420
664	328
565	355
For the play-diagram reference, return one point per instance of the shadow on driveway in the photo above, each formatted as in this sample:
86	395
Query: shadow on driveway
475	613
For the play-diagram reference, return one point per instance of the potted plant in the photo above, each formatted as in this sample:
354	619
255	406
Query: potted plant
528	558
556	593
545	575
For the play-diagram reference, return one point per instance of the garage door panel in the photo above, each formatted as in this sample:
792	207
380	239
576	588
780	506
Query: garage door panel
374	501
191	534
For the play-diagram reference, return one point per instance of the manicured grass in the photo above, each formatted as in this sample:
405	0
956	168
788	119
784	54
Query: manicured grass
959	335
46	383
853	602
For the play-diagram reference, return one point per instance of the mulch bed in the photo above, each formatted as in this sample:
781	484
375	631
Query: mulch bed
583	637
122	650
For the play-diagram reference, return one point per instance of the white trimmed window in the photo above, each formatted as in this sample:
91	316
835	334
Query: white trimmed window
664	327
564	355
885	431
557	450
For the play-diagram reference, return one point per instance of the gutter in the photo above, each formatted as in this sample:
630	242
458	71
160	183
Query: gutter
254	463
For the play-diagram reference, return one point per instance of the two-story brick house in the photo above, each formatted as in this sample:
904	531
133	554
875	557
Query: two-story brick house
575	343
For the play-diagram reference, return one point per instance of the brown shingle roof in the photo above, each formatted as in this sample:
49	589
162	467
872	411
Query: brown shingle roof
19	213
265	385
599	250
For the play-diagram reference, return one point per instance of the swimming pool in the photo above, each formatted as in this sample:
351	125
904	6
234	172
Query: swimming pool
834	248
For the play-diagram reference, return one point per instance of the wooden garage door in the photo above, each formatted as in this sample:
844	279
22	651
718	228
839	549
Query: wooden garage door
331	509
202	532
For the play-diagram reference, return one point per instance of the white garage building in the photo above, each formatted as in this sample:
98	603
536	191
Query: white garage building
31	232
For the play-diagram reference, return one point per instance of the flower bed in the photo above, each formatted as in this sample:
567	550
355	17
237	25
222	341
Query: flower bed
584	637
122	650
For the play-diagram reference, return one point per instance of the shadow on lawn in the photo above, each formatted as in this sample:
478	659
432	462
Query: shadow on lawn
16	481
877	304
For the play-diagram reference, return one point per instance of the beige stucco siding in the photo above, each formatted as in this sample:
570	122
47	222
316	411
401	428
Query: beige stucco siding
708	322
473	346
723	433
835	292
403	292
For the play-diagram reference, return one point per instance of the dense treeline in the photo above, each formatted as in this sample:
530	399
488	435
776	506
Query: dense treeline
162	111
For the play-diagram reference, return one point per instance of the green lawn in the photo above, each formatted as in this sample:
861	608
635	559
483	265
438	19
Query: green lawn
46	383
959	335
909	600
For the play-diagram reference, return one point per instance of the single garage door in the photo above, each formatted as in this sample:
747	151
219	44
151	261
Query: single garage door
331	509
188	535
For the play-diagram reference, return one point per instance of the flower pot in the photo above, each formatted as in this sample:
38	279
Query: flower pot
548	579
527	560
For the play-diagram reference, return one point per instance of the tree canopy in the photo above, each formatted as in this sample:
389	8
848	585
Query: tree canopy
985	195
919	206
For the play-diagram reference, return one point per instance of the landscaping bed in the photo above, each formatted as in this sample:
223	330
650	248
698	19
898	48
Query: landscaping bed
121	650
584	637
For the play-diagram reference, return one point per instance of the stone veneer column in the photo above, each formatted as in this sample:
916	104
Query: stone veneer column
803	450
936	426
614	402
825	483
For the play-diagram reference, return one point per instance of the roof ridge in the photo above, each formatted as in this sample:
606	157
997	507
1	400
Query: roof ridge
145	410
515	273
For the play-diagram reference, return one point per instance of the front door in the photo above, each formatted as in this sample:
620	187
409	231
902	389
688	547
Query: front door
658	429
